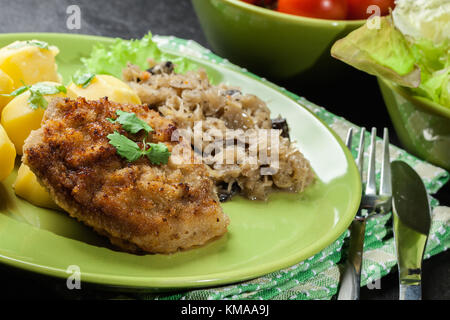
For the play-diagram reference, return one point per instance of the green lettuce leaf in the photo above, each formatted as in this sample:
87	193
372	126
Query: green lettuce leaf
419	64
113	59
381	52
434	62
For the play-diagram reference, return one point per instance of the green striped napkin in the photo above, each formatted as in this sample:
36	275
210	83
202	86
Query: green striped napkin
318	276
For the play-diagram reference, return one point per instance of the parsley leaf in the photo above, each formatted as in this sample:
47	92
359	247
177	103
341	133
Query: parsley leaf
36	43
61	88
128	149
83	79
125	147
40	44
16	92
158	153
130	122
37	92
37	100
45	88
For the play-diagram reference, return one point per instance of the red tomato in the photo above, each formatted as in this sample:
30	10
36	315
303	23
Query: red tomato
322	9
250	1
357	9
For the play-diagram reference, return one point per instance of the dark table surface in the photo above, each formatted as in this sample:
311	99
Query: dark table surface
351	99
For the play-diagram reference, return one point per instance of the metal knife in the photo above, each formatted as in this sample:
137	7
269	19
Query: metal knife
412	222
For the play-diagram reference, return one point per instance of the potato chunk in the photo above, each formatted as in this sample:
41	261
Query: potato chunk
19	118
27	187
6	87
28	63
7	155
107	86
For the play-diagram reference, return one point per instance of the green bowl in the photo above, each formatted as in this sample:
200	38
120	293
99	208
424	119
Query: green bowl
422	126
271	43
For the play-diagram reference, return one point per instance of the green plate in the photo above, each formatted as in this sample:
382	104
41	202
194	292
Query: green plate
263	236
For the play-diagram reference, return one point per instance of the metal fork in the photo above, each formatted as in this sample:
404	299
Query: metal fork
373	202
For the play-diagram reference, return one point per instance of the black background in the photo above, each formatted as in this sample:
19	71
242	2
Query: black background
356	98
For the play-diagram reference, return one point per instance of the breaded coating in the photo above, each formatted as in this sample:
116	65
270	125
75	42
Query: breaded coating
139	206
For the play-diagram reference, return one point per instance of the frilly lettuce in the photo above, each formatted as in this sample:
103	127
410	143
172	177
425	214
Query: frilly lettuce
421	64
114	58
423	19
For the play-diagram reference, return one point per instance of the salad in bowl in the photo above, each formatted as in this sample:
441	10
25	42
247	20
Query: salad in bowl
408	51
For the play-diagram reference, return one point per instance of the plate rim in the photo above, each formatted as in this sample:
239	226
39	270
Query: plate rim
221	278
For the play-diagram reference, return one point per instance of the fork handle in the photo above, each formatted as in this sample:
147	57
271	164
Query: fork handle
351	277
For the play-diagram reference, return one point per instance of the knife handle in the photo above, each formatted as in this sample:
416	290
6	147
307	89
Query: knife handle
410	292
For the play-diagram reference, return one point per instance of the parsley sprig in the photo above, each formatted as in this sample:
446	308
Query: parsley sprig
130	122
37	93
83	79
36	43
125	147
130	150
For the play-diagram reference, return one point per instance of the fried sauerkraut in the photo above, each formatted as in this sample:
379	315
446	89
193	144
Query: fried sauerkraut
230	125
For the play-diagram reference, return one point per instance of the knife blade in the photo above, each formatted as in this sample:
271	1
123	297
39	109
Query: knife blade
411	223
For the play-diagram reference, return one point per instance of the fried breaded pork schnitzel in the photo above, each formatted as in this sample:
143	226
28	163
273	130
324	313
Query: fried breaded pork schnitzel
139	206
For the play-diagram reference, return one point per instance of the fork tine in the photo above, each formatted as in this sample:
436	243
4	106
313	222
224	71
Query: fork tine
371	188
385	181
348	141
360	158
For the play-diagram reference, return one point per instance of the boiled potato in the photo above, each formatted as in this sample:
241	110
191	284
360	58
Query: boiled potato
7	155
28	63
106	86
27	187
6	87
19	119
